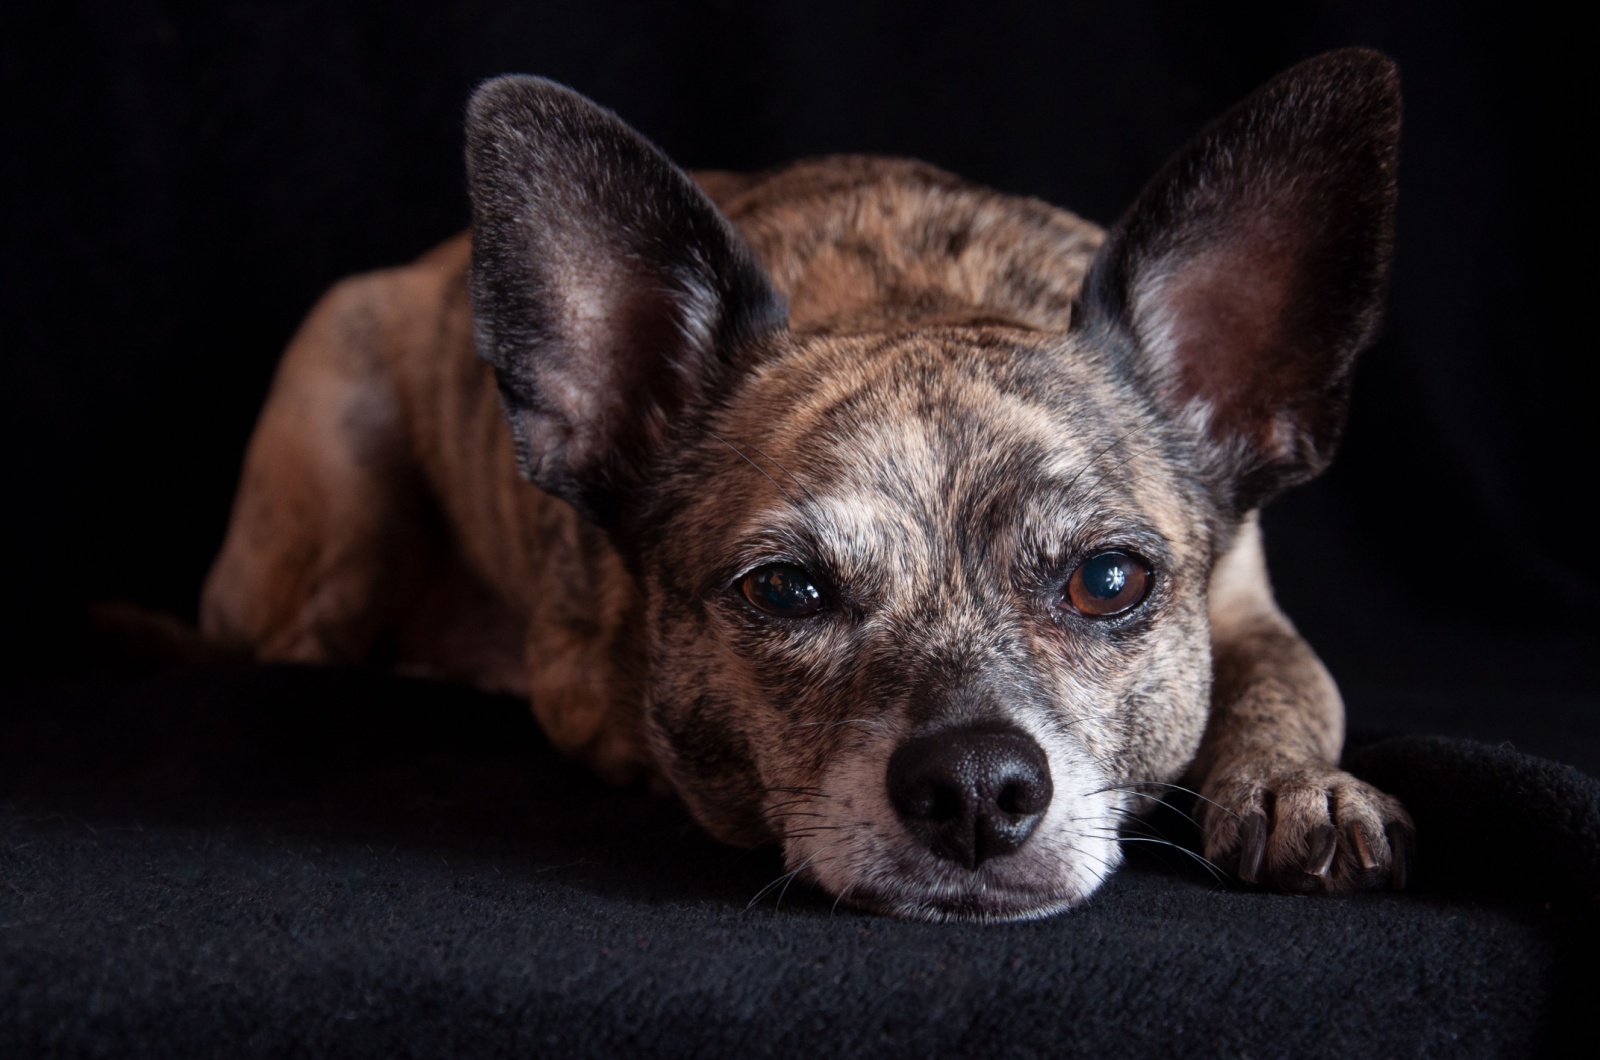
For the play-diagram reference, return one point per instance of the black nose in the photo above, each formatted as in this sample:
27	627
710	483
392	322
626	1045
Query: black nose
971	793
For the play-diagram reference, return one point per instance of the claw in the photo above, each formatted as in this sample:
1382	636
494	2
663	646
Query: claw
1324	844
1400	846
1363	849
1253	847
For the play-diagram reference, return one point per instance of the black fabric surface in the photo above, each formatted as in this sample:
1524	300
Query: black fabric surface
276	861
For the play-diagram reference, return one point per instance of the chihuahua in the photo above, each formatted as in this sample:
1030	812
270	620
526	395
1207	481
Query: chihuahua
905	524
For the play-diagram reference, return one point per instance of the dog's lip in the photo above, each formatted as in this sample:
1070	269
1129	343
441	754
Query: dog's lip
986	905
987	901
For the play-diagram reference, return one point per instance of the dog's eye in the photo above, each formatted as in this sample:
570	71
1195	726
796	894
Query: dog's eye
782	589
1108	583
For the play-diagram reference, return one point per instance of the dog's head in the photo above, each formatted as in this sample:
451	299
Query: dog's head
926	604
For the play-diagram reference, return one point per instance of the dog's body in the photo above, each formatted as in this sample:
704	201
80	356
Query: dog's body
819	491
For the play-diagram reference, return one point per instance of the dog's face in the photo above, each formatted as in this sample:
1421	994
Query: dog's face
926	605
974	543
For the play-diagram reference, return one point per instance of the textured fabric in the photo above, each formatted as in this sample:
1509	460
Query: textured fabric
299	862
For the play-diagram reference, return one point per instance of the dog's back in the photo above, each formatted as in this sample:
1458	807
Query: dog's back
867	244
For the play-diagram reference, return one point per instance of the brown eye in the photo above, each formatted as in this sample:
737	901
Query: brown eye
782	589
1108	583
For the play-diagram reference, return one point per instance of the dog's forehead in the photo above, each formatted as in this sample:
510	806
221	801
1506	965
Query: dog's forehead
939	387
905	438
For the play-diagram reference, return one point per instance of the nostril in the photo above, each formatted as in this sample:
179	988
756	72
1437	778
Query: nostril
1012	799
1028	794
947	803
929	800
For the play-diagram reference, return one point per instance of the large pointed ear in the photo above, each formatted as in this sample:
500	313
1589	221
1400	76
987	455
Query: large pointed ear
1251	270
611	296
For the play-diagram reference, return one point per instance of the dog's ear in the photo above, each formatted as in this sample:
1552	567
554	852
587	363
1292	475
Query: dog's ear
1250	272
609	293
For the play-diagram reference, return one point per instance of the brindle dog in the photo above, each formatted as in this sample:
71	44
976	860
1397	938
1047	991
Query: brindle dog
903	523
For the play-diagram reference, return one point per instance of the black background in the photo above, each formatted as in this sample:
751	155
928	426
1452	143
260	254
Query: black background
283	861
178	182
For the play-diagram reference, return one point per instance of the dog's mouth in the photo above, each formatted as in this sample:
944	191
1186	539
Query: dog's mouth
989	903
896	876
975	827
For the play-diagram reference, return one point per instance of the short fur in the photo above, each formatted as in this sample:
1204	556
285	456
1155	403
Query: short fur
935	399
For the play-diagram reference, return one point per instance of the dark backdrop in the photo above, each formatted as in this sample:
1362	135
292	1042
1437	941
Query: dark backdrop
179	181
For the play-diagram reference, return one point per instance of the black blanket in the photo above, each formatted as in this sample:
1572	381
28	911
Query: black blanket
280	861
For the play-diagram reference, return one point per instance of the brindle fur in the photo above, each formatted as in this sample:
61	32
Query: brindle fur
894	379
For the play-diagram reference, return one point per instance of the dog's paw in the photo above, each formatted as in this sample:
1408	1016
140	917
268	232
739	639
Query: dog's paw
1306	828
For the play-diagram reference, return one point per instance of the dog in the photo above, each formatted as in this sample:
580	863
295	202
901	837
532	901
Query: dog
905	524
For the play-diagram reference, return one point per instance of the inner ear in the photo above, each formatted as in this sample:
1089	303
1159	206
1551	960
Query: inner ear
1250	272
611	296
1234	335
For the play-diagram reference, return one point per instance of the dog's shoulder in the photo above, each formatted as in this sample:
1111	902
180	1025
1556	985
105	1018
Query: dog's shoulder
864	241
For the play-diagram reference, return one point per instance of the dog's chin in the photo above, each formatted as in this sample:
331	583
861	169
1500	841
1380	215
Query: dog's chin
915	885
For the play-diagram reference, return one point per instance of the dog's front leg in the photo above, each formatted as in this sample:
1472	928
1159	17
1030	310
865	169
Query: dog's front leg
1277	808
584	652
